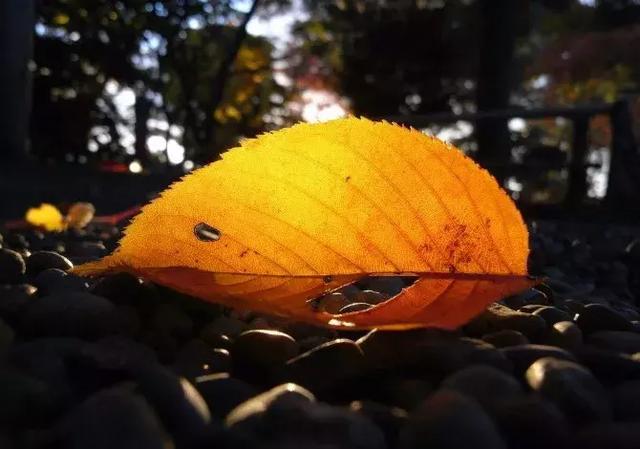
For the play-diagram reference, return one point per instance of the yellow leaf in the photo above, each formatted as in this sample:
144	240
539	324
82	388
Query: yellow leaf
46	216
61	19
292	214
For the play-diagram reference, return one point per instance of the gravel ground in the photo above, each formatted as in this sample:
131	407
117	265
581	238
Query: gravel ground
120	363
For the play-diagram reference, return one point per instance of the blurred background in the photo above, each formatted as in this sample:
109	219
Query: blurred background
108	101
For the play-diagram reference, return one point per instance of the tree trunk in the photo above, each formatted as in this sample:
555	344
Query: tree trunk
16	50
497	39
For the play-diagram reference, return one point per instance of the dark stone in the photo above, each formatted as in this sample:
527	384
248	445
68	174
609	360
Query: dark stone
26	401
12	267
114	418
181	409
620	341
16	241
120	288
609	367
42	260
552	315
449	420
249	409
625	399
403	392
487	385
571	387
332	302
504	338
258	354
524	355
169	319
308	423
71	314
371	297
531	423
531	308
355	307
14	300
196	358
223	393
327	365
6	338
565	334
531	296
388	419
498	317
215	339
609	435
597	317
52	281
232	327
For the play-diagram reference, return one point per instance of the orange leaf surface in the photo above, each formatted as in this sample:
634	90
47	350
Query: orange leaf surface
292	214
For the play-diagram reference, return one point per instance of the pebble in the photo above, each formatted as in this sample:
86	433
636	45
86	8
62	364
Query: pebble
355	307
215	339
53	280
529	422
609	367
498	317
196	358
371	297
609	435
181	409
42	260
524	355
114	418
260	403
327	365
231	327
504	338
12	267
258	354
26	400
333	302
552	315
402	392
450	420
571	387
620	341
169	319
597	317
71	314
120	288
223	393
487	385
530	296
388	419
565	334
625	399
6	338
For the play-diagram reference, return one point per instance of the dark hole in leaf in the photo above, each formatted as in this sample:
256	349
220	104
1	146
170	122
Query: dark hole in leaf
206	233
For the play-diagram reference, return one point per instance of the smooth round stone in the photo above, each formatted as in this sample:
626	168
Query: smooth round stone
223	393
25	400
14	300
114	418
53	281
498	317
389	285
596	317
215	339
388	419
172	320
504	338
485	384
619	341
12	267
42	260
405	393
260	403
371	297
571	387
86	250
524	355
120	288
333	302
608	366
308	424
181	409
573	306
531	423
624	435
552	315
531	296
327	365
196	358
355	307
565	334
257	354
450	420
75	314
16	241
530	308
625	399
232	327
116	352
6	338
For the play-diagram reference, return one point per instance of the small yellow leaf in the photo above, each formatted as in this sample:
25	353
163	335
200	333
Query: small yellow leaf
293	214
46	216
80	215
61	19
